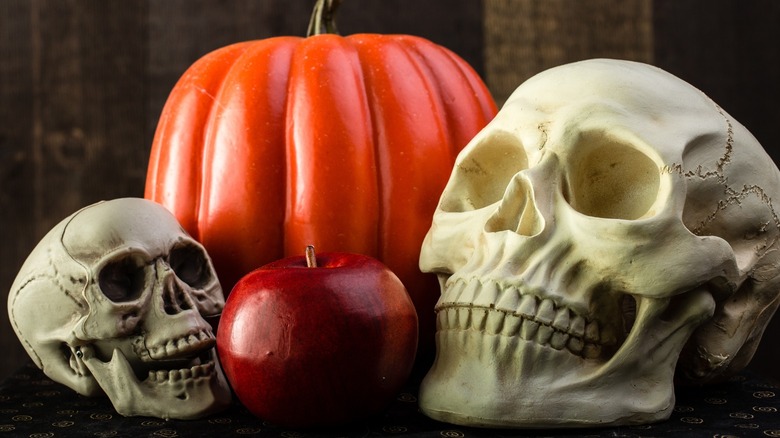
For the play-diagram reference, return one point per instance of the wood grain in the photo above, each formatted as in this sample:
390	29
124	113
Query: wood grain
524	37
18	230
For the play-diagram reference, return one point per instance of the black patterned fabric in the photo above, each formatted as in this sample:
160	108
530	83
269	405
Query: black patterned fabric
33	406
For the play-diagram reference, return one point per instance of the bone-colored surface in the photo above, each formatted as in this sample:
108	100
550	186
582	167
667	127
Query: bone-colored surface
610	220
113	300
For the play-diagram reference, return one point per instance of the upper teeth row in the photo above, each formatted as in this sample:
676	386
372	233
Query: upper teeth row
186	344
512	301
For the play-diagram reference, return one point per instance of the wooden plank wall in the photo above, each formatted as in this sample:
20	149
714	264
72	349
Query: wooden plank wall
82	82
524	37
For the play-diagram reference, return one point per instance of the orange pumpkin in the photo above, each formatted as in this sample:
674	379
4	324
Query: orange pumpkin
344	143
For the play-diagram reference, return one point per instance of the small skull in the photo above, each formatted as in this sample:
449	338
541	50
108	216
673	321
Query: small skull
114	300
609	221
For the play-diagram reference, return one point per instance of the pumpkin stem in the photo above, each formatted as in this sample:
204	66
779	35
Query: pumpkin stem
323	18
311	259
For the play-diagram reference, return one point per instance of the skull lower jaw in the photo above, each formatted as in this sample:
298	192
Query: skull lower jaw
188	393
494	380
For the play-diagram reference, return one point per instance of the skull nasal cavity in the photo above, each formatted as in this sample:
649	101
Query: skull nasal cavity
517	211
175	298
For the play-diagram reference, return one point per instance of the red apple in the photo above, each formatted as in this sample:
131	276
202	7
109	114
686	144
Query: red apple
321	343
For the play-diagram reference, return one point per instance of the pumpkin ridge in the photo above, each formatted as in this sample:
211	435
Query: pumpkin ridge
172	157
238	161
331	166
409	120
363	43
482	97
474	95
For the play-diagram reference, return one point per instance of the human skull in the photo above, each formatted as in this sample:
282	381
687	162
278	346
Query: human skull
609	221
114	300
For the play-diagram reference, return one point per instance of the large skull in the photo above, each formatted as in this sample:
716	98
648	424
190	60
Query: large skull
609	215
114	299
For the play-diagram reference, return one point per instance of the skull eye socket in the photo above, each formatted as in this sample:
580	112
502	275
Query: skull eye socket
482	176
122	280
610	179
191	265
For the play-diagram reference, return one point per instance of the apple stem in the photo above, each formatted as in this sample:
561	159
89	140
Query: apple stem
311	259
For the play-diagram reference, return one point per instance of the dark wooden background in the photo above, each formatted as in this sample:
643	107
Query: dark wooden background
82	82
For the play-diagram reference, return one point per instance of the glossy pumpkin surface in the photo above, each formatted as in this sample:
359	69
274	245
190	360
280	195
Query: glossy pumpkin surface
345	143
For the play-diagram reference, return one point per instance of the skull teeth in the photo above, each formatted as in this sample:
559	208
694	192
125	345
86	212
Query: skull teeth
183	346
195	372
527	306
499	322
479	306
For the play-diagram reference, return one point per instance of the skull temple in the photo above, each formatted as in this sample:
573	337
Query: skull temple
609	221
115	300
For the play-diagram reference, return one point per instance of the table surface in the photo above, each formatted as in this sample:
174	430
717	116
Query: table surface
31	405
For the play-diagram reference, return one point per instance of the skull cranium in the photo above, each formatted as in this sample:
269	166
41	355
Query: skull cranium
114	300
610	220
